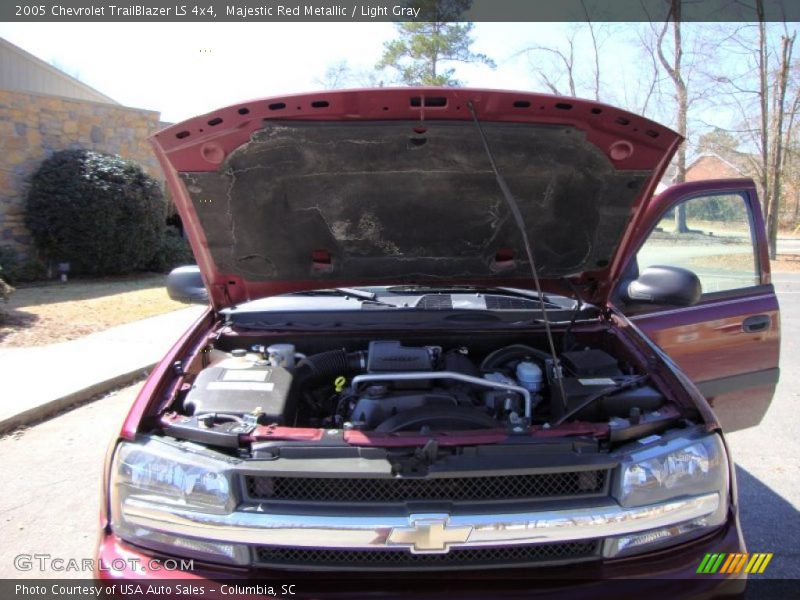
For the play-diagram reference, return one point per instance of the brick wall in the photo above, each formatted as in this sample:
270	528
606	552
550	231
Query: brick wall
33	126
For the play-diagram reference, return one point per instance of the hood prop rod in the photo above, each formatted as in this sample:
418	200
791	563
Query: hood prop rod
520	222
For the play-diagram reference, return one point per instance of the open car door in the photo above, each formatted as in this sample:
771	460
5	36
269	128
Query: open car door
727	342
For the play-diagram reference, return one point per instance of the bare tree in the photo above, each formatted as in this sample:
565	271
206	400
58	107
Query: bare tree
778	142
560	71
561	64
765	88
790	158
336	75
596	53
638	86
341	74
680	53
674	69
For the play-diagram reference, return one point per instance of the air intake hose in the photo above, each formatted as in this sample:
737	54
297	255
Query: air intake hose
329	364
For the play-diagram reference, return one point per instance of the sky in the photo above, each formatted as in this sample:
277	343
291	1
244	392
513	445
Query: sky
187	69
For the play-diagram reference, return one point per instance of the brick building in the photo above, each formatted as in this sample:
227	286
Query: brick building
710	166
42	110
713	166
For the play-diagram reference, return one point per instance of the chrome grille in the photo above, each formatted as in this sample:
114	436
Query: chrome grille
464	489
396	559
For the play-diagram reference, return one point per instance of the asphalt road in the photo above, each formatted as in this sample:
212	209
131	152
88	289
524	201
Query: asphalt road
768	456
51	472
51	475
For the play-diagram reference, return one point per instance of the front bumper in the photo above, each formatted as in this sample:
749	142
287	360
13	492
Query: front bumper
669	574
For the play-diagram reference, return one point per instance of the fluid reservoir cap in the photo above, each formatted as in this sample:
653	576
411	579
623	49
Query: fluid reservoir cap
530	376
239	352
499	378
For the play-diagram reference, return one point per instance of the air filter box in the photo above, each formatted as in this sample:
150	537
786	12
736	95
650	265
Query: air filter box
391	356
590	363
644	397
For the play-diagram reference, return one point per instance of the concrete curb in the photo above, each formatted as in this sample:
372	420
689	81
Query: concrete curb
45	380
56	405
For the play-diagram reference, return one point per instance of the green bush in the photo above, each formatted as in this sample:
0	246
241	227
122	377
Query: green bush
9	261
717	208
100	213
15	269
173	252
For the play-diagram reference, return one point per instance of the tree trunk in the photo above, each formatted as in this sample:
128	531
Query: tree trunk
682	99
763	96
796	208
776	160
680	175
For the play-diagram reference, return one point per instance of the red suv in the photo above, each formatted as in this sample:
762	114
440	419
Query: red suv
451	331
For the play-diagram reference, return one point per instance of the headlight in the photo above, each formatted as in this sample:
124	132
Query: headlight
681	467
158	473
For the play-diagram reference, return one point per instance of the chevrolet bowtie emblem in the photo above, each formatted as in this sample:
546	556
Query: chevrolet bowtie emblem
428	534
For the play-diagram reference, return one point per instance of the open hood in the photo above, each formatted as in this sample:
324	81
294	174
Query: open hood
394	186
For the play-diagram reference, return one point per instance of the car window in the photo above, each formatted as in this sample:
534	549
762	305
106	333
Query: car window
716	242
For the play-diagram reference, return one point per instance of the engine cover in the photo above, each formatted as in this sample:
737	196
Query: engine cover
375	407
248	389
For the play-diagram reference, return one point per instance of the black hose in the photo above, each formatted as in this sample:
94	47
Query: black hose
327	364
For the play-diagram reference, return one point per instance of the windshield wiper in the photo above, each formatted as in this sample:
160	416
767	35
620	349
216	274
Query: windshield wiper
366	298
356	293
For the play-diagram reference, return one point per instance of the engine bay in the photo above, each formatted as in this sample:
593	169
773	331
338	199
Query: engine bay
393	387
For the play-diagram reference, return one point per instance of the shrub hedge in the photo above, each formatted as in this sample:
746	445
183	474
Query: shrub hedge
173	251
98	212
15	269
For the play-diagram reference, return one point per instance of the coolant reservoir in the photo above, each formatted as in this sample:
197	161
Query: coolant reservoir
530	376
241	359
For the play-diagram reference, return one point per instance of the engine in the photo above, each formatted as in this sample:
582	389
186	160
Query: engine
390	387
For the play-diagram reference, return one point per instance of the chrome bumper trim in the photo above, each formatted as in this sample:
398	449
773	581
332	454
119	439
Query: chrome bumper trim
419	532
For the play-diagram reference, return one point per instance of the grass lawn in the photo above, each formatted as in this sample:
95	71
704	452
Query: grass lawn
52	312
786	263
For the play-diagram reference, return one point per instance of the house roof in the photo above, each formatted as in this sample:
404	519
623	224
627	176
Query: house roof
738	163
21	71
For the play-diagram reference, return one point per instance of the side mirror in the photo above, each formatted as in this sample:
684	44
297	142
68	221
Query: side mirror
665	285
185	284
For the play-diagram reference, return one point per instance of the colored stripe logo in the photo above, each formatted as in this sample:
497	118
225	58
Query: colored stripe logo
735	563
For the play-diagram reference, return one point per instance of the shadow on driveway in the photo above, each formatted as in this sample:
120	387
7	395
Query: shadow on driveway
770	524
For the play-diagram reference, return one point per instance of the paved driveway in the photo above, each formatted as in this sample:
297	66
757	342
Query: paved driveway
768	456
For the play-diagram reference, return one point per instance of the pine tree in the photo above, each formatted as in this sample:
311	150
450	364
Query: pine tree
425	50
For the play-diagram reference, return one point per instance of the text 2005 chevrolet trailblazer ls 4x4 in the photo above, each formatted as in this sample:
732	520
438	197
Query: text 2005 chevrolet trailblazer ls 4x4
451	331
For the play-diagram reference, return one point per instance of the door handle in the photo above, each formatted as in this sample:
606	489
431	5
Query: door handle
756	323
